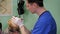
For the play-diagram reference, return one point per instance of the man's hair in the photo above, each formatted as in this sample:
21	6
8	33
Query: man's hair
38	2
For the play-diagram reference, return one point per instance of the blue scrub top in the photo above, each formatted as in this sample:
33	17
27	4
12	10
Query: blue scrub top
45	24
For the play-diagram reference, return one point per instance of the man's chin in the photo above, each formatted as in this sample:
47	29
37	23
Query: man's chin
32	12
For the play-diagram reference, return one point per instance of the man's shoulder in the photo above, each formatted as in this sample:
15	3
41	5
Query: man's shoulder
46	18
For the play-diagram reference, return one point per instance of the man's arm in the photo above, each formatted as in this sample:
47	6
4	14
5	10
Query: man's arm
24	30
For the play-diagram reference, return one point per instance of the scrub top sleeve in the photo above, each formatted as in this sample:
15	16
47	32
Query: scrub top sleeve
41	28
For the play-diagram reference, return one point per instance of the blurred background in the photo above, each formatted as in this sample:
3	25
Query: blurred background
30	19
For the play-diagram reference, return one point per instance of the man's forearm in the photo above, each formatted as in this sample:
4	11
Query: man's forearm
24	30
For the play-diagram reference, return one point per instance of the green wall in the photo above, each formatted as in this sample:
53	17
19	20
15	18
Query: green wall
29	19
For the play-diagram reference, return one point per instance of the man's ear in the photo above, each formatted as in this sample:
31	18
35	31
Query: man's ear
35	5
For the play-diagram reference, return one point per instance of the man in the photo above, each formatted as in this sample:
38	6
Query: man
45	23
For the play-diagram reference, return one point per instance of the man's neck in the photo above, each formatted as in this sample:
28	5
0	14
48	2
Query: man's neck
39	11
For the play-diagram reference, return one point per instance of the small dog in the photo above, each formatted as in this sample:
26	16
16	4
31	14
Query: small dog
12	29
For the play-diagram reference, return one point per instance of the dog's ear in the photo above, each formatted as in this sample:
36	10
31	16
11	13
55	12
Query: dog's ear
11	24
12	27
